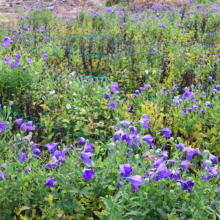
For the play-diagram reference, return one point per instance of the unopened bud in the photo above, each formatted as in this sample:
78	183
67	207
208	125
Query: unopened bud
171	139
208	163
179	139
205	154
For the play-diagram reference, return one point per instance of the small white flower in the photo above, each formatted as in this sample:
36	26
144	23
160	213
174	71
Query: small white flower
147	71
52	92
72	74
68	106
74	94
11	103
154	71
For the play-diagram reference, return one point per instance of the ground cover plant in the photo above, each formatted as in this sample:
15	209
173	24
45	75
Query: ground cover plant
111	114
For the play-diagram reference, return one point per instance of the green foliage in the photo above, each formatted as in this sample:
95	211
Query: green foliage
64	92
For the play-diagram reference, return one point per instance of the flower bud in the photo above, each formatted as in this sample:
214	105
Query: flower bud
137	157
208	163
205	154
147	180
179	139
171	139
178	184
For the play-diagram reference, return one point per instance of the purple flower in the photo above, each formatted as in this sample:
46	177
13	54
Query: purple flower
158	162
8	60
187	94
28	126
185	164
46	39
184	112
46	55
22	157
114	87
137	92
218	87
50	182
213	172
2	176
176	100
145	122
214	90
202	111
213	205
29	60
88	147
167	132
208	104
125	170
192	152
210	78
107	96
81	141
213	158
151	53
86	157
34	146
36	151
211	34
24	68
27	170
18	56
219	188
180	146
162	171
112	105
187	185
145	86
6	42
53	164
120	184
51	147
119	134
137	181
168	92
123	124
3	126
19	121
162	26
87	174
148	138
175	175
4	166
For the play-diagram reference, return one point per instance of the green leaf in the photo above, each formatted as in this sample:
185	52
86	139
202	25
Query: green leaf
131	213
108	203
101	215
60	181
85	191
74	190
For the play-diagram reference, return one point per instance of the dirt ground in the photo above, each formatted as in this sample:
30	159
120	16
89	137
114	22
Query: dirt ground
10	9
